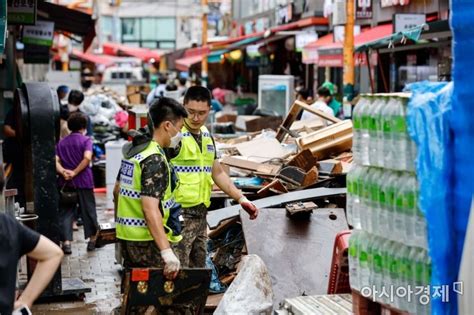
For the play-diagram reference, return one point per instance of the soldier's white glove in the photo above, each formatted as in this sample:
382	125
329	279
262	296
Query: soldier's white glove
172	263
249	207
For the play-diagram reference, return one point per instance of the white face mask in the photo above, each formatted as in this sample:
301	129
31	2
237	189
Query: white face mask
175	140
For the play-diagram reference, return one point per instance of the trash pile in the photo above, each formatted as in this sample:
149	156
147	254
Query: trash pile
295	174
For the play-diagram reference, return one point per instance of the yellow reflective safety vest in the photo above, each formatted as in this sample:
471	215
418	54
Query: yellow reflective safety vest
130	222
194	168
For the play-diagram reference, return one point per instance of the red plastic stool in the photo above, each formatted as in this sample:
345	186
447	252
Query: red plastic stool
339	275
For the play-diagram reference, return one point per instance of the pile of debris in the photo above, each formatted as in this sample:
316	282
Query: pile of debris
296	176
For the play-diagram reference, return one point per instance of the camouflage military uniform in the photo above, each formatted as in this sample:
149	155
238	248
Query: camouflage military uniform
154	182
192	250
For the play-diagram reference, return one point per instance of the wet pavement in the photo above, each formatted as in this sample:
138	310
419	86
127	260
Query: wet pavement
97	269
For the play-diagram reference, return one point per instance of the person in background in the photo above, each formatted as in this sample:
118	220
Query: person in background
75	99
17	240
195	161
158	91
324	95
304	96
73	157
62	91
182	86
333	103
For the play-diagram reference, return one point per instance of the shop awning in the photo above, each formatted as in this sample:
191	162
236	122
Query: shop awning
145	54
329	54
191	57
92	58
216	55
417	35
310	51
68	20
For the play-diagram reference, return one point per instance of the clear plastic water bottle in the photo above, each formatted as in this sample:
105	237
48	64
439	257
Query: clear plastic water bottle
375	132
377	266
400	211
364	271
422	276
357	129
379	125
354	267
403	292
415	224
365	137
401	285
351	179
387	136
386	276
410	146
381	227
395	270
399	136
374	186
366	203
388	189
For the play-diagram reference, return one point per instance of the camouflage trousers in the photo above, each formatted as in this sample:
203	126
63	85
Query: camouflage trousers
192	249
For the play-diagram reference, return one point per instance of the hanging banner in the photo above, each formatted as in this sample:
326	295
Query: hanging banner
40	34
363	9
21	12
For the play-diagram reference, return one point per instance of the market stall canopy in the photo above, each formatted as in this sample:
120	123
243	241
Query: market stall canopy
216	55
191	56
418	35
310	51
68	20
330	54
92	58
145	54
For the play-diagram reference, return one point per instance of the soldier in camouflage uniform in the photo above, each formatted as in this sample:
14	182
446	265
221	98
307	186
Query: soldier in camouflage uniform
144	221
196	164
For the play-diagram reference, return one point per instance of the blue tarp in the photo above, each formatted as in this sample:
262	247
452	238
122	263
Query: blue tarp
429	113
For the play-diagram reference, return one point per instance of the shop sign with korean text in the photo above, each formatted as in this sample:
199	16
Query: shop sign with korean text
21	12
40	34
363	9
405	21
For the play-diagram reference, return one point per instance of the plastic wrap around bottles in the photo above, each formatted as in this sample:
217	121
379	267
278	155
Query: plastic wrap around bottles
429	111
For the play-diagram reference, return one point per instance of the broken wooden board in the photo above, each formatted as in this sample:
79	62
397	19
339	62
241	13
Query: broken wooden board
250	165
213	300
217	216
330	167
262	150
293	113
328	141
298	254
304	160
275	186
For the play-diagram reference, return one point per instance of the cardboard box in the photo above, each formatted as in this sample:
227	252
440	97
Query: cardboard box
136	94
223	117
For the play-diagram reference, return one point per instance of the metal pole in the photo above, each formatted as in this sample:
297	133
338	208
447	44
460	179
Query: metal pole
349	53
204	65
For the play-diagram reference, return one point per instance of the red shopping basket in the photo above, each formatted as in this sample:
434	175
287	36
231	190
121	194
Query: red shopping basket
339	275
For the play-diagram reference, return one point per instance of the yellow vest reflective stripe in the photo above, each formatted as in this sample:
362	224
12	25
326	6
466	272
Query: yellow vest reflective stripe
194	168
130	222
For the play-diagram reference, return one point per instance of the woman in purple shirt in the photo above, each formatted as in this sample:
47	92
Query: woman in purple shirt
73	157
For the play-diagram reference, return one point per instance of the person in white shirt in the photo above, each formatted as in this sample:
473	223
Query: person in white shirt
324	96
158	91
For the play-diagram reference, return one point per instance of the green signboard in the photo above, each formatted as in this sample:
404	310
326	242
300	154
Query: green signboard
40	34
22	12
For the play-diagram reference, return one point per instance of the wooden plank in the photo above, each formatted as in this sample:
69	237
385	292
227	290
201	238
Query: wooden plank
297	254
275	186
216	216
330	167
250	165
304	160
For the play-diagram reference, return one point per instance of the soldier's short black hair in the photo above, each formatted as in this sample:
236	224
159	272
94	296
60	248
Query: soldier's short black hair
164	109
199	94
77	121
75	97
